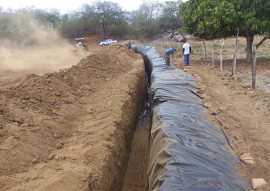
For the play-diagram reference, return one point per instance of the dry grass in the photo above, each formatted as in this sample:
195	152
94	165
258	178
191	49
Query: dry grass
243	69
263	51
229	45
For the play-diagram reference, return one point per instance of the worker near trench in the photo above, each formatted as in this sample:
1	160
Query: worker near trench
186	52
167	54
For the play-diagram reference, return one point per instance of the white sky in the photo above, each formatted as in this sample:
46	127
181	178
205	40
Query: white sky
66	5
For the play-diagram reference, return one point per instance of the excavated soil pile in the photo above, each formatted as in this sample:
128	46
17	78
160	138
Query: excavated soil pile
72	129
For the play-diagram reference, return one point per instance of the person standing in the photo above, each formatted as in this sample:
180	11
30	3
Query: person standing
186	52
167	53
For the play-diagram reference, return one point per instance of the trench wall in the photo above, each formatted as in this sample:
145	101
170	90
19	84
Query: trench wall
187	153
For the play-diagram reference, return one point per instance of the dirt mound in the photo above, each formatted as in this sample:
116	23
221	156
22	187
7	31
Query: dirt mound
77	114
48	92
122	51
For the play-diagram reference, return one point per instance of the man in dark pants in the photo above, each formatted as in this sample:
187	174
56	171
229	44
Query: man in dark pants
186	52
167	53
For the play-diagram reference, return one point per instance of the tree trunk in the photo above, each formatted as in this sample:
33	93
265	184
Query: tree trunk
104	26
249	40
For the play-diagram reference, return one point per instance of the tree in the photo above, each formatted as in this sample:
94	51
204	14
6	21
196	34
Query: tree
144	21
170	17
50	17
109	14
211	19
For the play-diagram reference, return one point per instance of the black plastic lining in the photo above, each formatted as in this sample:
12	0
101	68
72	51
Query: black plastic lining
187	153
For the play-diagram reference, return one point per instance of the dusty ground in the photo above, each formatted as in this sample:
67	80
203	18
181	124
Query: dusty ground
241	112
66	130
71	130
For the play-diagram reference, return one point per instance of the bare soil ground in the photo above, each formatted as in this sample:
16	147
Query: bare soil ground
241	112
71	129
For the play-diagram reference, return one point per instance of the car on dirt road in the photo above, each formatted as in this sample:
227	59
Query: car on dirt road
107	42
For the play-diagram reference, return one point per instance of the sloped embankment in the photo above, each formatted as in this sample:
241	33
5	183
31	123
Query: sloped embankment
71	130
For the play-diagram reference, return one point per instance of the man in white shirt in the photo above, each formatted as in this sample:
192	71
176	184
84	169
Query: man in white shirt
186	52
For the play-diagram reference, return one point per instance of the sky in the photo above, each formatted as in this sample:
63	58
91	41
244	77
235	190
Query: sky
67	5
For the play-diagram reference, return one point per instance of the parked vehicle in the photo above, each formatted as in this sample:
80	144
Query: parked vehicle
107	42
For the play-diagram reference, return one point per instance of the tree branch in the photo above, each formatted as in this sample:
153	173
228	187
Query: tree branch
261	42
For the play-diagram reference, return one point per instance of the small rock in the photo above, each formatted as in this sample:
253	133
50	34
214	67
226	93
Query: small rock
59	146
55	135
18	120
245	86
259	184
252	94
26	98
59	168
35	160
213	113
207	105
51	157
35	177
58	94
247	158
200	91
233	77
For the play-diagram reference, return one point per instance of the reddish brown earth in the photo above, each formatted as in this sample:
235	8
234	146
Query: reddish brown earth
72	129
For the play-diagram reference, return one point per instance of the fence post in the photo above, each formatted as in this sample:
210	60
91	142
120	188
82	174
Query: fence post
254	60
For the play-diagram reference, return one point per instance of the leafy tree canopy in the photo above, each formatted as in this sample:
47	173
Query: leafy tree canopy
211	19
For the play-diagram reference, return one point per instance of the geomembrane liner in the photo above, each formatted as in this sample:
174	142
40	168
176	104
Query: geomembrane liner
187	153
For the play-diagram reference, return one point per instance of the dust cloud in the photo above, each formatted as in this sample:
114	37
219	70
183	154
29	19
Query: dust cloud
29	47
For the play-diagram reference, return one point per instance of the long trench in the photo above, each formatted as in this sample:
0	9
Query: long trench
187	152
136	173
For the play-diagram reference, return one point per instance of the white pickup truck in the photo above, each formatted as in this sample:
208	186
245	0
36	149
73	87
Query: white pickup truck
107	42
